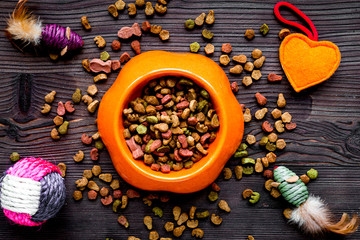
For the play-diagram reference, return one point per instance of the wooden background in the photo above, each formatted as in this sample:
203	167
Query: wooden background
327	137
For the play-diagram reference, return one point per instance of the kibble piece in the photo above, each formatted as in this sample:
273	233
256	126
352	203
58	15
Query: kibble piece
227	173
234	86
93	106
139	3
45	109
54	134
135	45
92	90
260	99
268	173
224	59
154	235
281	102
207	34
250	139
155	29
194	47
96	170
249	34
92	195
189	24
275	193
157	211
85	23
305	179
131	9
49	98
122	219
268	184
237	69
179	231
77	195
93	186
160	8
258	63
120	5
197	232
58	120
164	35
266	127
250	237
272	77
104	191
182	218
100	41
254	198
106	177
238	172
259	166
226	48
115	184
210	18
202	215
176	212
256	75
279	126
264	29
312	174
192	211
87	99
148	222
62	168
247	193
272	137
169	226
283	33
209	49
113	11
63	128
256	53
286	117
213	196
149	10
124	57
216	219
87	174
247	81
199	21
276	113
249	66
290	126
240	59
280	144
271	157
192	223
260	114
124	201
223	205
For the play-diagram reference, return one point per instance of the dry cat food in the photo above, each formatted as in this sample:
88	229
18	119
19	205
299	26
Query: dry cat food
171	125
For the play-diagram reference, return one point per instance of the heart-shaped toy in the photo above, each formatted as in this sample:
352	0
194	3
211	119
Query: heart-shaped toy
307	62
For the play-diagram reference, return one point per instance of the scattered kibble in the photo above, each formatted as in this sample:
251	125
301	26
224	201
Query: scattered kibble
169	226
77	195
54	134
135	45
113	11
202	215
272	77
45	109
238	172
79	156
182	218
260	114
153	235
179	231
145	26
194	47
249	34
305	179
226	48
312	174
258	63
164	35
213	196
160	9
209	49
62	168
131	9
176	212
217	220
249	67
276	113
254	198
100	41
224	59
140	3
256	53
275	193
223	205
148	222
93	106
247	115
283	33
157	211
14	157
199	21
124	57
155	29
237	69
122	219
189	24
197	232
207	34
63	128
279	126
210	18
227	173
264	29
85	23
120	5
247	81
242	59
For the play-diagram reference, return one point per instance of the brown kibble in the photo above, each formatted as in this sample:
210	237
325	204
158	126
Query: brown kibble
120	5
115	184
93	106
140	3
249	34
259	166
100	77
115	45
260	114
176	213
281	102
104	191
94	154
237	69
49	98
192	223
124	201
155	29
164	35
199	21
99	41
283	33
223	205
224	59
160	8
77	195
87	174
96	170
287	213
258	63
216	219
60	109
93	186
85	23
266	127
290	126
209	49
256	53
272	77
247	193
122	219
69	107
58	120
92	195
286	117
182	218
276	113
82	182
86	64
87	99
62	168
179	231
113	11
135	45
275	193
169	226
148	222
214	187
279	126
45	109
227	173
280	144
256	74
210	18
268	185
238	172
153	235
92	90
271	157
124	57
268	174
106	177
240	59
145	26
247	115
131	9
54	134
79	156
247	81
249	66
131	193
265	162
260	99
226	48
193	209
149	10
305	179
250	237
272	137
197	232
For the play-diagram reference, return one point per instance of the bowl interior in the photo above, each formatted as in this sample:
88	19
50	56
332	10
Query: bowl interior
135	90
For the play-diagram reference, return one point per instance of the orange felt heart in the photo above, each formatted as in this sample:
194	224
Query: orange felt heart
306	62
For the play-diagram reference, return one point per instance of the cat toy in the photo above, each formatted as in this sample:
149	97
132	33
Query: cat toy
23	26
32	191
311	213
306	61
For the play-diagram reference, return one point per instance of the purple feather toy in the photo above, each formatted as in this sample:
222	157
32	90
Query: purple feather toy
27	28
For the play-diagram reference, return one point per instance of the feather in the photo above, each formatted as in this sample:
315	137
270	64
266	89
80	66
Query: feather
314	217
22	25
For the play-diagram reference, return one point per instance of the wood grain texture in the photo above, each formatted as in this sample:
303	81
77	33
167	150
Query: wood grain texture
328	115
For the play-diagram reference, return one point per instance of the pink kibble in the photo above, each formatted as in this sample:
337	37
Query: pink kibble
204	137
136	29
192	121
97	65
167	135
159	107
155	167
146	138
155	145
182	105
115	65
69	107
158	154
143	147
159	95
183	141
185	152
177	156
166	99
61	109
165	168
163	113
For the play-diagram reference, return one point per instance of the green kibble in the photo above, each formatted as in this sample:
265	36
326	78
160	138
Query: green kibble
248	161
163	149
248	170
189	24
148	145
188	164
104	56
63	128
270	147
194	47
207	34
241	154
76	97
157	211
14	157
213	196
255	197
204	94
264	141
116	205
152	119
204	214
186	82
264	29
312	174
242	147
141	129
201	105
99	145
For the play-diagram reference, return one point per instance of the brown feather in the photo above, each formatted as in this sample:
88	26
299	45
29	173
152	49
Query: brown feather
345	225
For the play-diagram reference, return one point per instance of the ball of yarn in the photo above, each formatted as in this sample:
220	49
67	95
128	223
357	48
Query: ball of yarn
32	191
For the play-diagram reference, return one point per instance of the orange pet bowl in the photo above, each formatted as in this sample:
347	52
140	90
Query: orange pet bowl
129	84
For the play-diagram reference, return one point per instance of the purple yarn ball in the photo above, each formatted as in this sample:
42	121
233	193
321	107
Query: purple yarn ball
54	36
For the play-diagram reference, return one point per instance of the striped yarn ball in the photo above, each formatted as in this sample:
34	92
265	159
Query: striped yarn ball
32	191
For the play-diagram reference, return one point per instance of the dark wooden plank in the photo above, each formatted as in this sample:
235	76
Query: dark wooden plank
327	136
